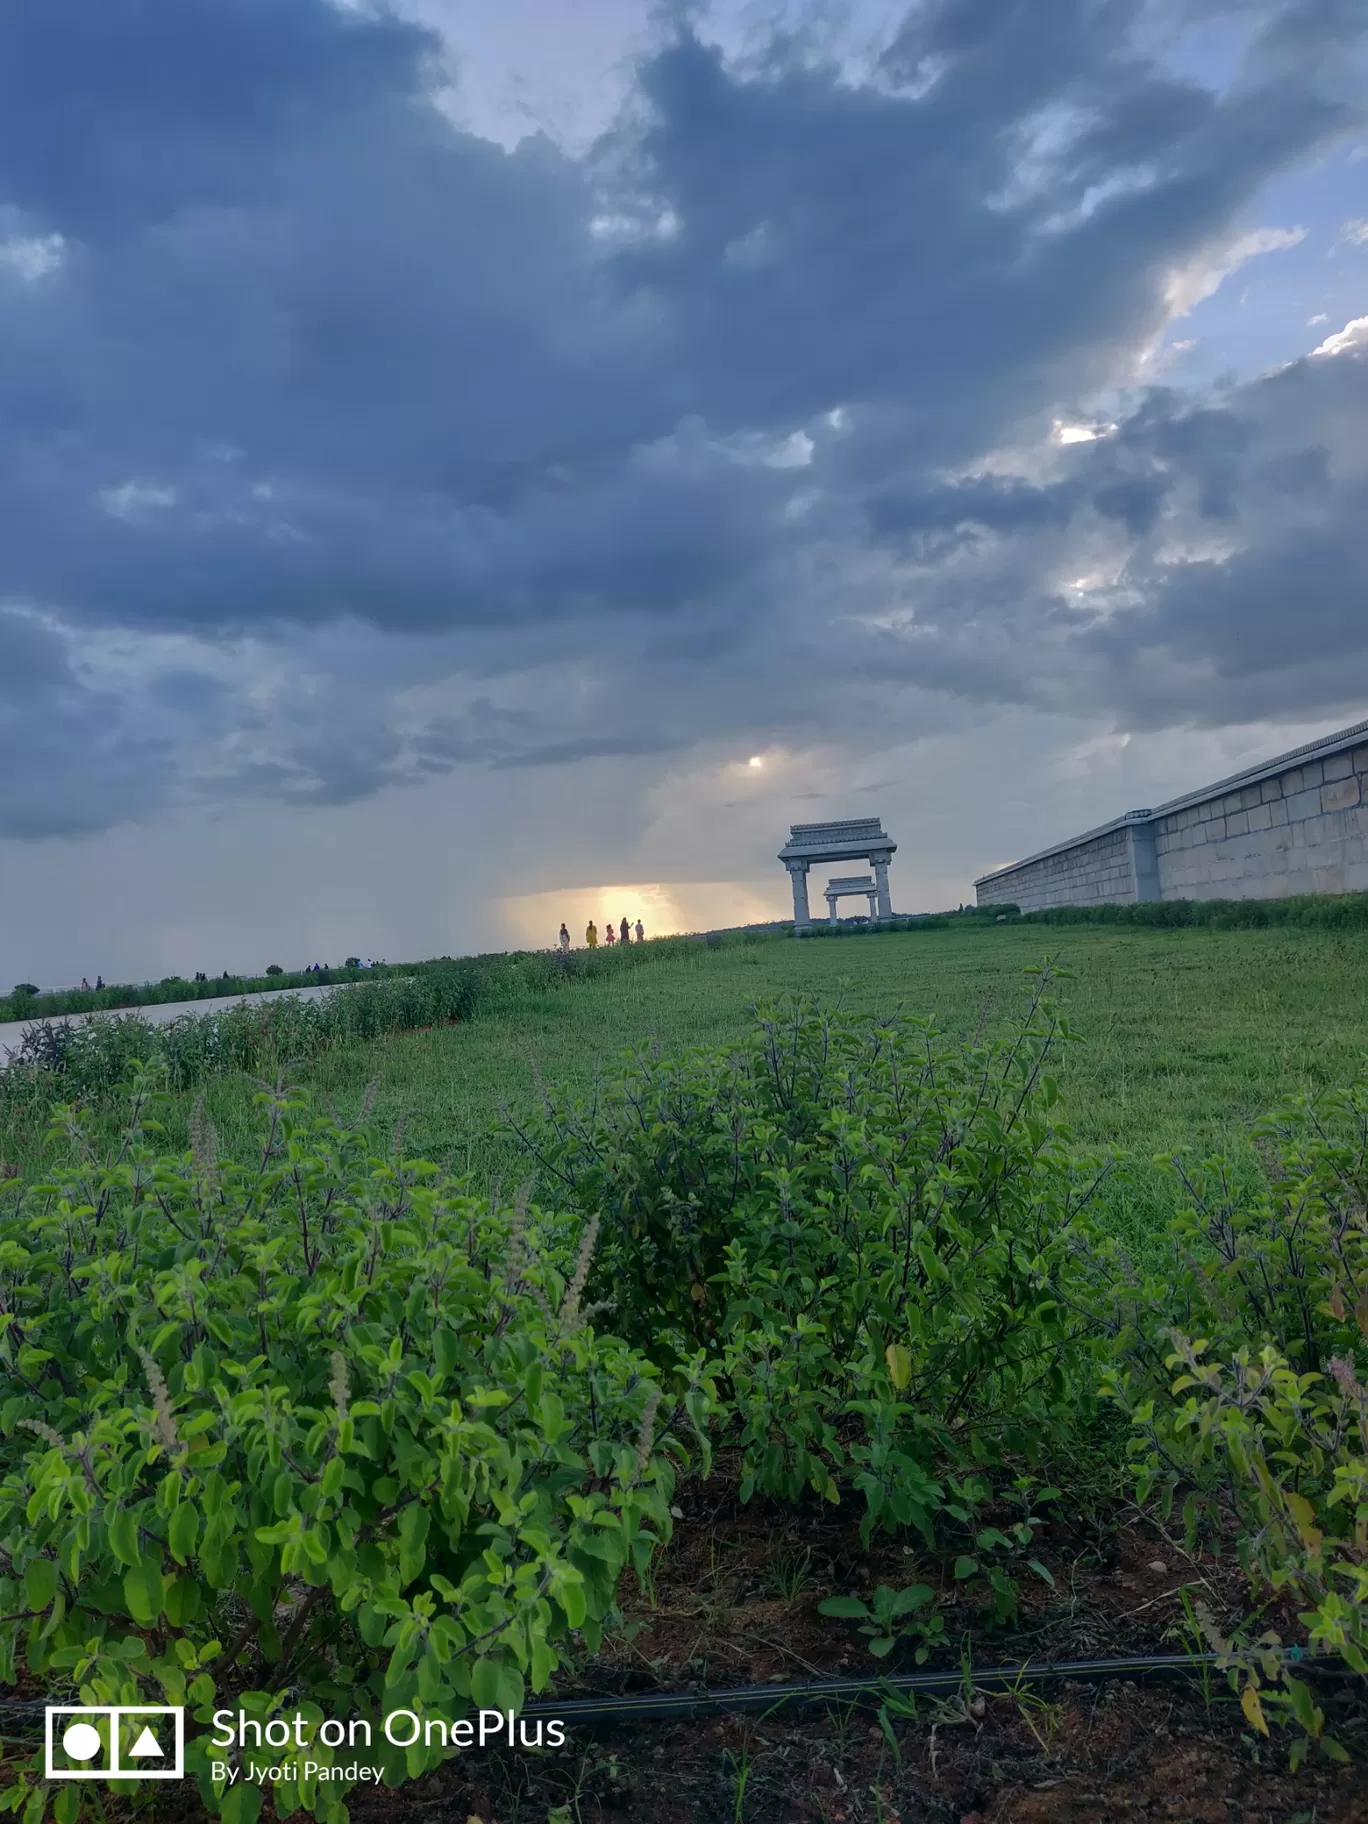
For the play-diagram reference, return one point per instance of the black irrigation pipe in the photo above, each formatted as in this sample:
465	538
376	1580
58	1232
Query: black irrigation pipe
668	1706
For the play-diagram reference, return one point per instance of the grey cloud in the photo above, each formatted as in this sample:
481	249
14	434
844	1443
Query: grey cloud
308	358
72	758
1274	625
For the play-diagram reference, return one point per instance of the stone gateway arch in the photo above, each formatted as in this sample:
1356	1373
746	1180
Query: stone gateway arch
858	839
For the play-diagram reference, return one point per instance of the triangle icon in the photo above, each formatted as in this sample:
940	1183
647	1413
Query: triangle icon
147	1744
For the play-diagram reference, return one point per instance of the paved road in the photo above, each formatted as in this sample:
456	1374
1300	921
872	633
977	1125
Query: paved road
12	1031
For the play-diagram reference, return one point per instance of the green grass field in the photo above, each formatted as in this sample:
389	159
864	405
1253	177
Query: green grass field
1187	1034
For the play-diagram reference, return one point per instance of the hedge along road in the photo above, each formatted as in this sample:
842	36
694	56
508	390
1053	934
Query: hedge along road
159	1013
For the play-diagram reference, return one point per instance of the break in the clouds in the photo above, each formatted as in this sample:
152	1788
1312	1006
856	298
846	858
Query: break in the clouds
342	448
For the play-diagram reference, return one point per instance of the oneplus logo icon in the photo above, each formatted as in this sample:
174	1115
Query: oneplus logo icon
115	1742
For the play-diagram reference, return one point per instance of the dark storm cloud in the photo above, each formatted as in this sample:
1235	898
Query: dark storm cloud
1231	577
280	349
72	758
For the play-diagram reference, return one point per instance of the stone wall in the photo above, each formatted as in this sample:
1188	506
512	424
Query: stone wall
1294	824
1303	831
1091	871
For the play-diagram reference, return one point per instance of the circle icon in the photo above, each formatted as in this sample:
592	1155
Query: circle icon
82	1741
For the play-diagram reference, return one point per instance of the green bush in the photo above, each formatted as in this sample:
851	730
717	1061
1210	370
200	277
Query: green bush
1315	911
90	1060
1240	1368
274	969
864	1225
326	1425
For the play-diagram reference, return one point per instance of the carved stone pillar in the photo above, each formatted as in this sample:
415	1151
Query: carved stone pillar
880	864
802	918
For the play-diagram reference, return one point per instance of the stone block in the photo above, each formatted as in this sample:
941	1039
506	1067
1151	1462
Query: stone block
1340	794
1302	805
1236	825
1261	817
1270	789
1313	773
1338	766
1356	877
1360	759
1292	781
1215	830
1278	812
1330	880
1249	797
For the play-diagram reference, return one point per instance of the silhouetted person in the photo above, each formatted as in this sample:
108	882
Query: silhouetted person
640	934
564	939
85	984
99	983
610	935
591	935
625	932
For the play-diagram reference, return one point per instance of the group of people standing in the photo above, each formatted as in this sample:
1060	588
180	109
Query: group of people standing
622	935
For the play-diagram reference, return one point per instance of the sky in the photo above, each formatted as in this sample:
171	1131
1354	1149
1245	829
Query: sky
464	467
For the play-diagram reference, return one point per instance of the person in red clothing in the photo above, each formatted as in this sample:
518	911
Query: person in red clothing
610	935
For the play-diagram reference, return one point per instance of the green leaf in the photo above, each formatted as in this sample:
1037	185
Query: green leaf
183	1532
486	1682
123	1536
571	1597
846	1608
965	1567
241	1804
913	1597
144	1592
40	1583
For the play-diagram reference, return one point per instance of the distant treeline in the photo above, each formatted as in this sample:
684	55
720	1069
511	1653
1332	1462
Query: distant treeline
26	1003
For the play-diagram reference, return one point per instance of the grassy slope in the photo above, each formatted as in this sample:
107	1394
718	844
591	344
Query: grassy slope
1188	1033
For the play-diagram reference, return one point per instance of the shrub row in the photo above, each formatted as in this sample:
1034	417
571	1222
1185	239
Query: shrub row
88	1061
1314	911
27	1003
